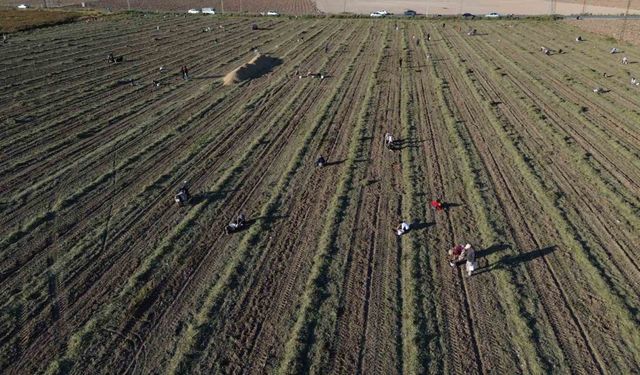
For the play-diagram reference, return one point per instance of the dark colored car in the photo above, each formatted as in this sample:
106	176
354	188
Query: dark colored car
466	15
410	13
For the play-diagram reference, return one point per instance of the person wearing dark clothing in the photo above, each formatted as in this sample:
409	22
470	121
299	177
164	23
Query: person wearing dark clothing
183	196
236	225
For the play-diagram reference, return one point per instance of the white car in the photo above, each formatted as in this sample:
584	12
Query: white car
384	12
272	13
208	11
193	11
23	6
376	14
492	15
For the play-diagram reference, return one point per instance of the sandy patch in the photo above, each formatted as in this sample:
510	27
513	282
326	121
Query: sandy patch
523	7
257	66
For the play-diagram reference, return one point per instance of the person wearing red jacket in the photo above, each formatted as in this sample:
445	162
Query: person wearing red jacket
436	204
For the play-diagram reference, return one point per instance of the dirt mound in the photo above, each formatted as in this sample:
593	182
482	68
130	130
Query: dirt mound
257	66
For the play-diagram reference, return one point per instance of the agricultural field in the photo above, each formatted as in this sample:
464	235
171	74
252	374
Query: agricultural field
627	30
12	20
290	7
100	271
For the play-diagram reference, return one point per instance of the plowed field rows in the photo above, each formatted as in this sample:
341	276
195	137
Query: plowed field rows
100	271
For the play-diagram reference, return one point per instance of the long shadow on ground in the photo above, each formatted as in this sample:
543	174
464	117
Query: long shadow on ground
510	261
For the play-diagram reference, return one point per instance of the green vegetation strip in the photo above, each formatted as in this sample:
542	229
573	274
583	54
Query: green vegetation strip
153	262
572	216
416	325
315	294
590	274
196	338
492	229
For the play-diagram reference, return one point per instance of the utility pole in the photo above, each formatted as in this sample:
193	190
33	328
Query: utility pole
222	6
461	4
128	5
624	23
552	9
344	6
44	2
584	7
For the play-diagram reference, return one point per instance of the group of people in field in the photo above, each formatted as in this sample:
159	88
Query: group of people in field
183	197
613	51
459	254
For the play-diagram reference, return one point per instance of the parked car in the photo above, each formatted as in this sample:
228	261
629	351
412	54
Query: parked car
376	14
492	15
384	12
23	6
272	13
410	13
193	11
468	15
208	11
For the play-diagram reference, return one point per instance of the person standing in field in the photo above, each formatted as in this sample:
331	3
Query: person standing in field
185	72
471	264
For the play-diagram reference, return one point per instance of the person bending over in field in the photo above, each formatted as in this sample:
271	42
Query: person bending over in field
459	254
236	225
437	205
321	161
390	142
402	228
183	196
625	60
